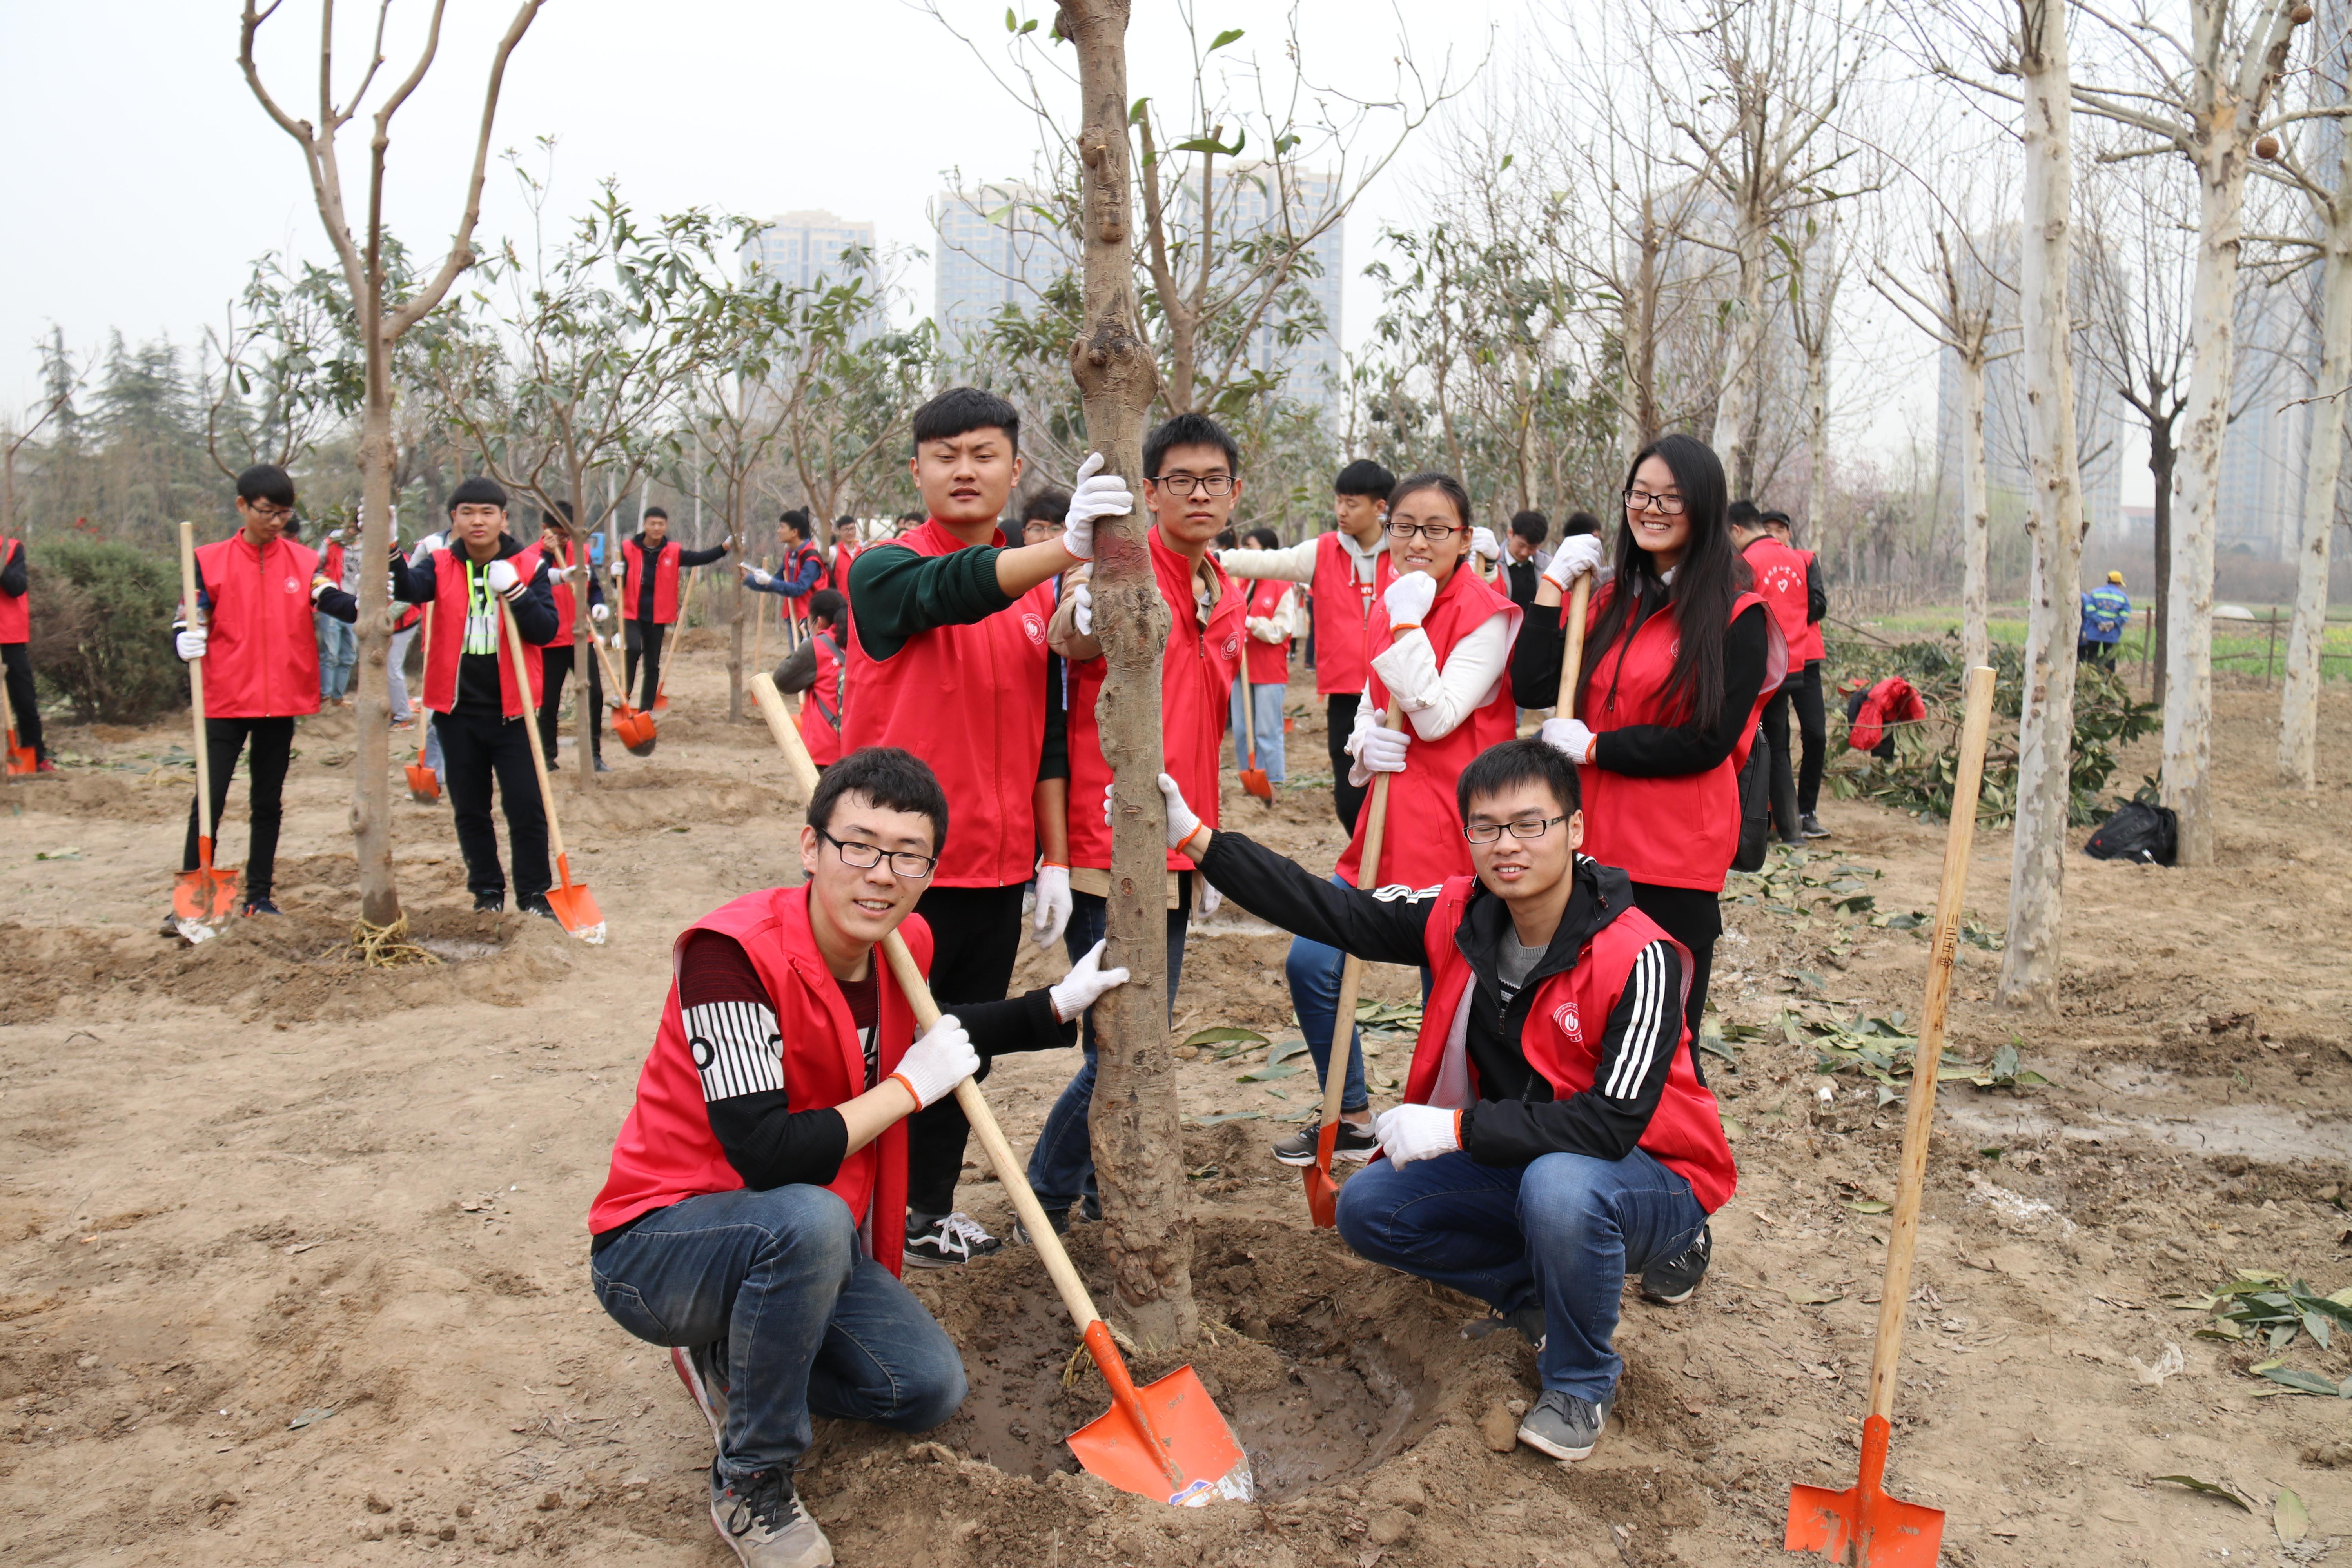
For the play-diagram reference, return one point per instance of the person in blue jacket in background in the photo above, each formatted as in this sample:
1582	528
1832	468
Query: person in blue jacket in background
794	577
2107	610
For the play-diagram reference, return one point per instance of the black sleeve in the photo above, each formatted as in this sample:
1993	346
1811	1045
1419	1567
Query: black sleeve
14	578
1053	761
798	671
534	612
899	593
412	582
1536	655
1023	1022
1606	1119
700	557
1817	598
1383	927
596	586
1665	750
732	1023
335	602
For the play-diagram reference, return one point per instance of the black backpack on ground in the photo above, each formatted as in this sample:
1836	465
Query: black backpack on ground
2137	832
1755	804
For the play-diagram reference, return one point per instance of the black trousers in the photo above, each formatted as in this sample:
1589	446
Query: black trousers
975	938
18	659
645	642
1693	917
555	665
1813	730
476	751
273	748
1780	790
1340	715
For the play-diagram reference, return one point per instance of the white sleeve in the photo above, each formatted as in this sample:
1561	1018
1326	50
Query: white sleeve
1295	564
1437	701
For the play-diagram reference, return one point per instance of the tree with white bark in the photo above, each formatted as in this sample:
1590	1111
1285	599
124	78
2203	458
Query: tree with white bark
384	318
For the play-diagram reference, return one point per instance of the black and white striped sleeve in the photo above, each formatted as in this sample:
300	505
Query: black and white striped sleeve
1606	1121
739	1054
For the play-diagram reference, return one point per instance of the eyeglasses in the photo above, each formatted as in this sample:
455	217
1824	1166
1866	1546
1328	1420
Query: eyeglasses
1490	832
1435	532
1642	500
865	857
1185	484
268	513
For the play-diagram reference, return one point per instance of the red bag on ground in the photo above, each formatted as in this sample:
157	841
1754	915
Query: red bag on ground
1891	702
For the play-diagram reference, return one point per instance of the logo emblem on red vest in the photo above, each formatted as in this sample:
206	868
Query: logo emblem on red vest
293	586
1233	648
1570	1024
1034	625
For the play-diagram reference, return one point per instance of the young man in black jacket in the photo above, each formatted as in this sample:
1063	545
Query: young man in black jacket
1554	1137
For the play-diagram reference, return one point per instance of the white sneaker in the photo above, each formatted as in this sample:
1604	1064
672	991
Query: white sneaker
761	1518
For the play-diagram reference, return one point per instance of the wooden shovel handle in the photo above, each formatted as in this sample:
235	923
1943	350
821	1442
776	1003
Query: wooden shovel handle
612	669
197	685
1572	658
1010	1174
1919	1120
425	724
531	713
1351	972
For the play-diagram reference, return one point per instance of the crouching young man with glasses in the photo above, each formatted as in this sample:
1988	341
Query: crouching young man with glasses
754	1218
1553	1137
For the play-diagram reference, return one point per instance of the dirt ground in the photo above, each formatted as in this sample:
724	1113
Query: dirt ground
292	1255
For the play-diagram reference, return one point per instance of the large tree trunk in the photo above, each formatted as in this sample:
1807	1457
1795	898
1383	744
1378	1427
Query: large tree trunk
2298	755
2030	963
1737	414
2161	457
2188	586
1137	1147
1975	518
370	814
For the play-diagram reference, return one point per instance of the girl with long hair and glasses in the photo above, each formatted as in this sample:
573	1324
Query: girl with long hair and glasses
1439	637
1679	658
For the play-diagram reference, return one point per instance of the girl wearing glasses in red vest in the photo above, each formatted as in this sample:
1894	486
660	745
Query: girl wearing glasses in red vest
1679	658
1440	639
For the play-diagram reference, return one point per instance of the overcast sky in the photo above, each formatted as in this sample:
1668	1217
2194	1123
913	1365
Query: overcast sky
143	178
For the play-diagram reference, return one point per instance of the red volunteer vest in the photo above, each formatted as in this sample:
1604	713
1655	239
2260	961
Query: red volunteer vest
261	655
1679	831
1342	608
1269	662
970	701
1561	1039
331	564
15	609
1423	844
1196	689
821	704
666	1151
565	606
1806	647
837	577
665	580
1780	583
449	610
794	563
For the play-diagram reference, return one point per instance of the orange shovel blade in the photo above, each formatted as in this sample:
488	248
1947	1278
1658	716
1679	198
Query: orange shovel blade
424	785
1254	781
1180	1452
21	759
207	893
1861	1526
1322	1192
635	729
574	906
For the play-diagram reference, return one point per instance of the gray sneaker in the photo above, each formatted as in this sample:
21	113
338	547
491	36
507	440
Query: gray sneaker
703	1369
1563	1426
760	1517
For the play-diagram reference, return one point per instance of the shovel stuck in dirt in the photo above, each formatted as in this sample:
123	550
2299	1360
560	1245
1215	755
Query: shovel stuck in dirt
202	898
1253	777
20	762
1861	1526
424	784
1322	1192
1166	1440
574	906
634	726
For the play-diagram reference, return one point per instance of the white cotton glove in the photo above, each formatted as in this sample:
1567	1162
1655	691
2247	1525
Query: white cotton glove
1083	615
1409	1132
935	1064
757	578
1084	985
561	574
1096	495
1182	820
1379	750
426	546
504	580
1210	900
1053	911
190	645
1570	735
1263	628
599	613
614	642
1409	597
1578	554
1483	543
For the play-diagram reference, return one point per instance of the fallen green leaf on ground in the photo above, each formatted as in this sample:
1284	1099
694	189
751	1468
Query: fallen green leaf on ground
2289	1518
2226	1493
1268	1073
2003	1072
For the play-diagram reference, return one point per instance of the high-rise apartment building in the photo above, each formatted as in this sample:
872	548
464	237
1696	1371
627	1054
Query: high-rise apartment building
796	248
993	249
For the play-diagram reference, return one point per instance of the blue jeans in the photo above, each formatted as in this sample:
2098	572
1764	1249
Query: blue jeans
1266	710
809	1323
1563	1231
1061	1166
338	650
1314	971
